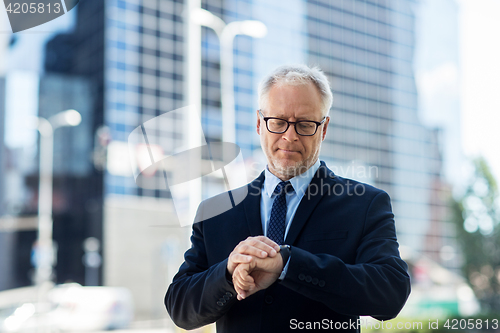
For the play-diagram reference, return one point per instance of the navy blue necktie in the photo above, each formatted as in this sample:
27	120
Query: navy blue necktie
277	222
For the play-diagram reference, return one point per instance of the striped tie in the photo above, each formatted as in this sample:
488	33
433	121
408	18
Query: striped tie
276	228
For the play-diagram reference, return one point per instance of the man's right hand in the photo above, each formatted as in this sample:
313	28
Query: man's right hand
252	247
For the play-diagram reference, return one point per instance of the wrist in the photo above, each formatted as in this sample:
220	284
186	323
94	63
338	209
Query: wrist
229	276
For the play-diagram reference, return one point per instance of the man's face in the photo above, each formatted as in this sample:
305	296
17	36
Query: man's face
290	154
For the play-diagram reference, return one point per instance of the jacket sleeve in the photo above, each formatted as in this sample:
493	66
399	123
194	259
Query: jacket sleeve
199	294
376	285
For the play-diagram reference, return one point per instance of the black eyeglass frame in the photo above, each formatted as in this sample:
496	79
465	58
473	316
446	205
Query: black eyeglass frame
318	124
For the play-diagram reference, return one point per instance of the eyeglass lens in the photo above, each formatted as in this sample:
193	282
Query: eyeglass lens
302	127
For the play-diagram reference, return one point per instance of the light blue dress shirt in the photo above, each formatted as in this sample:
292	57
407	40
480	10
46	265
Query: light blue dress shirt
299	184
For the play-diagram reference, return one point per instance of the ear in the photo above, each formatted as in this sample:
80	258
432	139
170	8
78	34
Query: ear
258	123
325	128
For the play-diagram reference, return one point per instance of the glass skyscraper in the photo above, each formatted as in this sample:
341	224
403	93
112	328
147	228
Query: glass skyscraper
367	50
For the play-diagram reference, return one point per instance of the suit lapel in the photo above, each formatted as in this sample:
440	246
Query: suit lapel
252	206
309	202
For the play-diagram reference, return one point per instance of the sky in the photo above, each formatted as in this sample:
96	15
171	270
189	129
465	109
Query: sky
437	75
479	32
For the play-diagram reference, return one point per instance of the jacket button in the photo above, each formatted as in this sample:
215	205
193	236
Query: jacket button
269	299
321	283
228	294
314	281
219	303
308	278
301	277
227	298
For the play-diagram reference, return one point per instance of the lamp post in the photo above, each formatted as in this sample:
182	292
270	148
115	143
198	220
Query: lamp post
226	34
46	127
192	89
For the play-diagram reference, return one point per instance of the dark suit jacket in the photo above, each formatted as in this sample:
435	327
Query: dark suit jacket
344	263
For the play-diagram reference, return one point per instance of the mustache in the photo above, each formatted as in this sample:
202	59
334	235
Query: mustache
288	148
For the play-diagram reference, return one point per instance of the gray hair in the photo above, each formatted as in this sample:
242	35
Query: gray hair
296	75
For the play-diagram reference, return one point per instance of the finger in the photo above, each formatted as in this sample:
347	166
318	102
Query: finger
235	259
238	258
238	286
239	289
242	290
270	265
241	294
271	247
237	280
241	274
258	250
245	281
269	242
260	247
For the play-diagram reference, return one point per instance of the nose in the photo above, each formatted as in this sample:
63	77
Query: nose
290	134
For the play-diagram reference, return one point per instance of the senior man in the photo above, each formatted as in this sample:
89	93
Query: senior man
305	249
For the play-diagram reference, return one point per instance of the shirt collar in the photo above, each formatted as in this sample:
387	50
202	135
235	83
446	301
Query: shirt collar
299	182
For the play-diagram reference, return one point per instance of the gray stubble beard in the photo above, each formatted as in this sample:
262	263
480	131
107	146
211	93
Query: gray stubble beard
297	169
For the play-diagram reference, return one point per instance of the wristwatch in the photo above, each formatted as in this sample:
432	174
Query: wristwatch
285	253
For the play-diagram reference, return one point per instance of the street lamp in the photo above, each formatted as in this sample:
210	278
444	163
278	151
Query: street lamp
46	127
226	34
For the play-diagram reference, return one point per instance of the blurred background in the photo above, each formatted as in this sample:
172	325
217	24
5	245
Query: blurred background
416	110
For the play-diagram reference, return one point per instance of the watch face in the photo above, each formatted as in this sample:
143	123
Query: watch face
285	252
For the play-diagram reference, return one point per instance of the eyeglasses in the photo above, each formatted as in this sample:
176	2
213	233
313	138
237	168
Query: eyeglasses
302	127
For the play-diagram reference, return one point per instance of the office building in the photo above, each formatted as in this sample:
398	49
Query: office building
45	75
376	120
